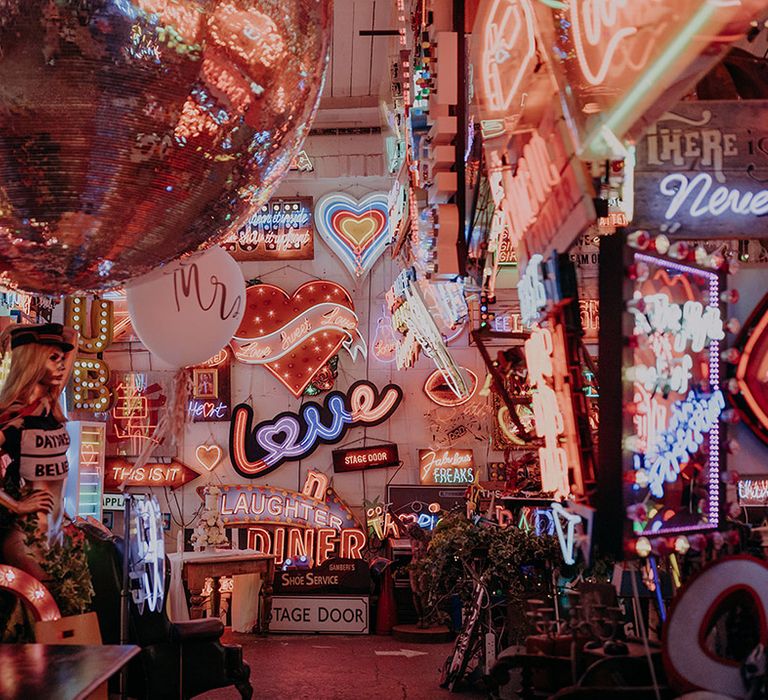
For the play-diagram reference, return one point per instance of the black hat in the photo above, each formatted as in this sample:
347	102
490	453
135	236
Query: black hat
42	334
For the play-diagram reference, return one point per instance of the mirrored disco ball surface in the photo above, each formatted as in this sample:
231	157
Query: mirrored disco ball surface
132	131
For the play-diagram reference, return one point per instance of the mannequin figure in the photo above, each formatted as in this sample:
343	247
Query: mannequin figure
33	437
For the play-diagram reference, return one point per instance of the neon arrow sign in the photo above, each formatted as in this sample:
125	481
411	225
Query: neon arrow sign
293	436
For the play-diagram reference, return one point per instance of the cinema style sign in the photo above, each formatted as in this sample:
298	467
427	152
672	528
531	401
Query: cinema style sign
447	467
670	402
281	229
704	166
359	458
314	523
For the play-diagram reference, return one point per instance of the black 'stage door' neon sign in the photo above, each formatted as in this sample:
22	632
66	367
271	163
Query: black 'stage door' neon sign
292	436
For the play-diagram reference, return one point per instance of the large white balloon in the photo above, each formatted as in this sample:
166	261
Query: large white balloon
187	311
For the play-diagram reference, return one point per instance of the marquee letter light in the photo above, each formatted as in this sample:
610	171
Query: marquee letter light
687	658
294	336
33	593
90	373
293	436
356	230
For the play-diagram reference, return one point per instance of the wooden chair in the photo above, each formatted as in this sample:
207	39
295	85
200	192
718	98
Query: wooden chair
75	629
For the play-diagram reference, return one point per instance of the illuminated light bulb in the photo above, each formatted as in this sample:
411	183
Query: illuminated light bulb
643	547
732	385
682	545
660	244
678	251
701	256
730	296
639	239
731	355
733	325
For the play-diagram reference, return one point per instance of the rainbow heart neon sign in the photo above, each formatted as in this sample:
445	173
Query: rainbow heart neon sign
293	436
356	230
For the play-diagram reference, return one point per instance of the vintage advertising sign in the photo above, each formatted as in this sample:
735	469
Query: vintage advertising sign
334	576
331	615
752	490
447	467
614	59
282	229
314	523
703	167
256	451
295	335
119	472
359	458
751	399
543	191
139	400
670	399
113	501
209	398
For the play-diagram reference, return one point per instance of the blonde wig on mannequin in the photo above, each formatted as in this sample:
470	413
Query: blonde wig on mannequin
27	369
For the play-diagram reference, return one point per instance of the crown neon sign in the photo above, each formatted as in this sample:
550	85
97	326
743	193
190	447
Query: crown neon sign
293	436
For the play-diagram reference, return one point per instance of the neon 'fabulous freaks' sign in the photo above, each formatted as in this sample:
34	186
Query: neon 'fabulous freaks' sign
293	436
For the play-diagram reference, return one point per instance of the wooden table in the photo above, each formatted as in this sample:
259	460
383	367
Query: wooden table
198	566
64	672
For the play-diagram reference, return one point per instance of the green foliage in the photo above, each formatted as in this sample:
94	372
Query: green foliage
64	562
511	554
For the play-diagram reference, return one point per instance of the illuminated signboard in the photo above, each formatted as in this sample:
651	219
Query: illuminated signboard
90	373
119	472
545	194
751	399
256	451
281	229
139	400
209	398
417	332
422	504
314	523
699	167
670	400
359	458
614	59
294	336
752	490
446	467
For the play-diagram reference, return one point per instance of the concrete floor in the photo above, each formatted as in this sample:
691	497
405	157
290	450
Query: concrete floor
322	667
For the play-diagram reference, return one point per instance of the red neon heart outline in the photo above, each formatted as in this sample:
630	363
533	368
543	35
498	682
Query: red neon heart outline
258	300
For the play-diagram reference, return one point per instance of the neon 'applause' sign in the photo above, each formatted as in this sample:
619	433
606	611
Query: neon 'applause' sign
293	436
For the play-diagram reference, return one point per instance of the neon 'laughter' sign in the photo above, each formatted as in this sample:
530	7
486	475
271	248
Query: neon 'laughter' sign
293	436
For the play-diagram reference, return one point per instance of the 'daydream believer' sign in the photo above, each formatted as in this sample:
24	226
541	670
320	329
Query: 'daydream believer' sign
704	166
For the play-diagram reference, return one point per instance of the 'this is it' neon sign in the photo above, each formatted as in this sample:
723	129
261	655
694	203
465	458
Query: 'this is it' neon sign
293	436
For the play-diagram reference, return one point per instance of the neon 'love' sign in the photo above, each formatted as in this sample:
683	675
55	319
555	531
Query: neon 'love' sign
292	436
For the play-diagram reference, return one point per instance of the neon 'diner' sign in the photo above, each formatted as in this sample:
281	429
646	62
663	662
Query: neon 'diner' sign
292	436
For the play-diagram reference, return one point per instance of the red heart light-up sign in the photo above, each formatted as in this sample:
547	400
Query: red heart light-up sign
293	336
751	401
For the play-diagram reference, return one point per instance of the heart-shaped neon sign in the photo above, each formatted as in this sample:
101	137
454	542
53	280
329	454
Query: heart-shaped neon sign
356	230
295	335
208	455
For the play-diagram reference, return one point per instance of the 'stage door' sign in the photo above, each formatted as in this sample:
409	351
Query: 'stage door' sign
294	336
292	436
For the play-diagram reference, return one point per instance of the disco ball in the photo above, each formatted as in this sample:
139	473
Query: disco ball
133	131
